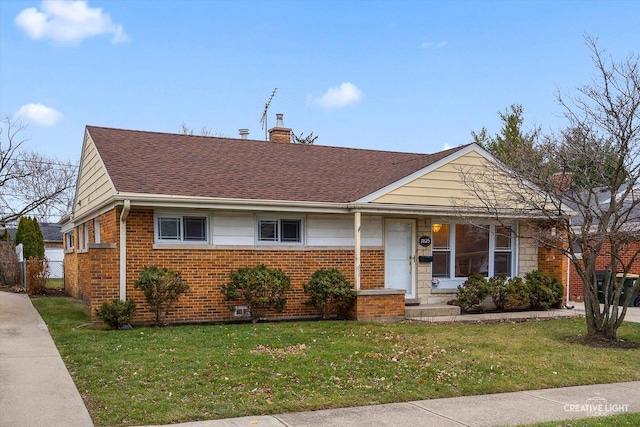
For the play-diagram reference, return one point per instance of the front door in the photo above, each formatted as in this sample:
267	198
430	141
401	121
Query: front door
399	268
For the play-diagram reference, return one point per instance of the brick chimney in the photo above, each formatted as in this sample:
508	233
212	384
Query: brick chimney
279	133
562	181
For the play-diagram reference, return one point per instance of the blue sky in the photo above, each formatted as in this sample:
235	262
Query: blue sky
414	76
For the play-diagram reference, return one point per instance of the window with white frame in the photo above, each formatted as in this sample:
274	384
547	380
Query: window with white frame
460	250
181	228
69	239
279	230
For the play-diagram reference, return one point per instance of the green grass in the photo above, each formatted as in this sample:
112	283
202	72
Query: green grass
631	419
198	372
55	283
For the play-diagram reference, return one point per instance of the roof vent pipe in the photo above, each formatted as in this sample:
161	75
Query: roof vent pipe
279	121
244	133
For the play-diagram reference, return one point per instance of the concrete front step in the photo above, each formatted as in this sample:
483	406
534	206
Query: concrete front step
431	310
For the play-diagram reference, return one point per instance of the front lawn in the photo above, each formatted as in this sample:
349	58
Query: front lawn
199	372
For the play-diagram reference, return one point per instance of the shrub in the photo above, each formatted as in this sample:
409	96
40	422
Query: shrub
472	292
517	294
8	263
37	275
260	288
117	313
329	291
545	291
161	287
30	235
497	286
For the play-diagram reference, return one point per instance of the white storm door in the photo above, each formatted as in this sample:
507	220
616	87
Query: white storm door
399	267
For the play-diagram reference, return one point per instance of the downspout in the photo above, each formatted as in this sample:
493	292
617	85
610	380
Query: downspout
568	268
358	227
123	249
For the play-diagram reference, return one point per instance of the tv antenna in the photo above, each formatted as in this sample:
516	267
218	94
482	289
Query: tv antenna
264	120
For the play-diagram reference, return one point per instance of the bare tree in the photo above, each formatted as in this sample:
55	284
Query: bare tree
31	183
204	131
588	181
301	139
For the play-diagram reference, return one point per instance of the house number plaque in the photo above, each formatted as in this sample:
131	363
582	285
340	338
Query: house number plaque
424	241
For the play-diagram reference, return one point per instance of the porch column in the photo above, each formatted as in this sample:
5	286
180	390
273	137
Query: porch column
357	227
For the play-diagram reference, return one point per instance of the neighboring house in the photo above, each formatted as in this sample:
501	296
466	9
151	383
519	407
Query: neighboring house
53	246
206	206
575	285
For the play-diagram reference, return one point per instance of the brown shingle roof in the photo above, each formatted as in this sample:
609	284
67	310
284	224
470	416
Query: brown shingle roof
187	165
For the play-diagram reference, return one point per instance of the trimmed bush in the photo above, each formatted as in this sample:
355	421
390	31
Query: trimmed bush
498	289
545	291
329	291
472	292
517	294
117	313
161	287
260	288
538	291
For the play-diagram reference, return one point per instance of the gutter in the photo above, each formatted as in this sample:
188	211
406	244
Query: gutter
123	249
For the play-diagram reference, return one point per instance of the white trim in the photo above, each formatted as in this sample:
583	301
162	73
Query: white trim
357	248
123	249
96	229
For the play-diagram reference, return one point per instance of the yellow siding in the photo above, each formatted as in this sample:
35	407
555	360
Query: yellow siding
94	185
444	186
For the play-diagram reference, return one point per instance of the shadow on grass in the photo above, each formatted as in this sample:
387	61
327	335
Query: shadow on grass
601	342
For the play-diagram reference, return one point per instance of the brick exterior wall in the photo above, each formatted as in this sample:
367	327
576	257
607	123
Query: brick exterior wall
83	269
554	263
94	275
206	270
383	305
576	288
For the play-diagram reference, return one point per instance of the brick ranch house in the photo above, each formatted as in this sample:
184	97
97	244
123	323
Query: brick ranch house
206	206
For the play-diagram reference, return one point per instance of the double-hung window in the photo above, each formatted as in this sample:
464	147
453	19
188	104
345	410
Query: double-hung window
460	250
181	228
280	230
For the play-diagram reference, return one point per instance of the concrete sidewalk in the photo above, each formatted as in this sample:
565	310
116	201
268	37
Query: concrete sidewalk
35	386
487	410
37	390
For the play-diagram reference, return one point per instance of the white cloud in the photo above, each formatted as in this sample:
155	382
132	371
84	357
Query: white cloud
38	114
446	146
433	45
68	22
340	96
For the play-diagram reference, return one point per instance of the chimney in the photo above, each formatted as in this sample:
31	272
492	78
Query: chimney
562	181
244	133
279	133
